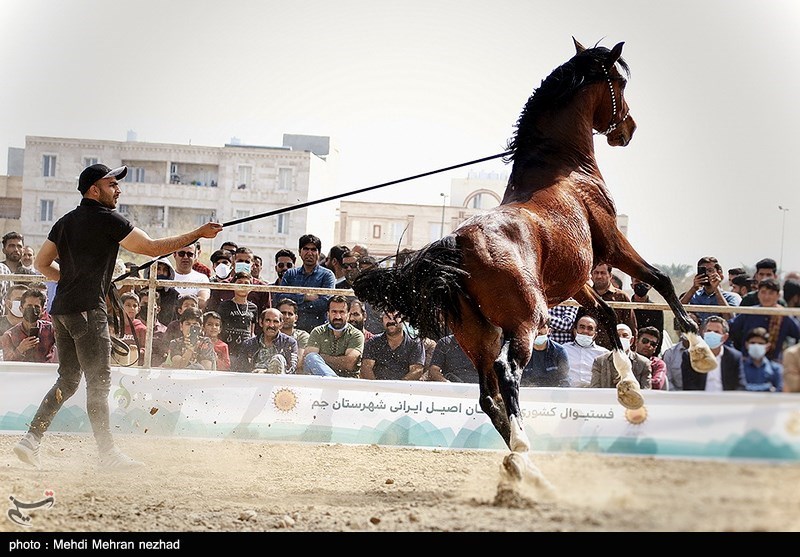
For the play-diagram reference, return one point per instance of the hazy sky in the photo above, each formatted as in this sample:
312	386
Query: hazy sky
407	87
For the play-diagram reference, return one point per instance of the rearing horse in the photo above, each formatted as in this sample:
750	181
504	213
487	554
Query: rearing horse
492	280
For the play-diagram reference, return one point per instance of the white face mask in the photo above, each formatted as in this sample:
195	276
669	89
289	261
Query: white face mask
16	308
757	351
540	340
626	344
584	340
222	270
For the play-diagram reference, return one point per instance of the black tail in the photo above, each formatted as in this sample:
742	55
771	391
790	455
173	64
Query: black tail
425	289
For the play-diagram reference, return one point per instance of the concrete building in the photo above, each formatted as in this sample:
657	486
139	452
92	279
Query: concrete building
172	188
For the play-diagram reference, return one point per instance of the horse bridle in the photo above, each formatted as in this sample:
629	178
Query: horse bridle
612	125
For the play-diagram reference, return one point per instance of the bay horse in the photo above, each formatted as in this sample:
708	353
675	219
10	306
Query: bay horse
492	280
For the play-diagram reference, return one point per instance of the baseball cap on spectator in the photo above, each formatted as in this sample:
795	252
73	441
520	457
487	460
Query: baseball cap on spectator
743	280
92	174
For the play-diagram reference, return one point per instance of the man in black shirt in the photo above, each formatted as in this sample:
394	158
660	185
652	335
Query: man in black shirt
86	242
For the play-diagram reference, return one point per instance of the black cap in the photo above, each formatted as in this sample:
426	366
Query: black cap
767	263
743	280
92	174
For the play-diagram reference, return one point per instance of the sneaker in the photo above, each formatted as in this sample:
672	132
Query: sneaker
275	367
27	450
115	459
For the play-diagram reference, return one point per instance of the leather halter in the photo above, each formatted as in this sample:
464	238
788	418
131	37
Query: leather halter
612	125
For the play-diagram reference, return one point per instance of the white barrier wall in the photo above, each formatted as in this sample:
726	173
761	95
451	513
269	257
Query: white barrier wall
205	404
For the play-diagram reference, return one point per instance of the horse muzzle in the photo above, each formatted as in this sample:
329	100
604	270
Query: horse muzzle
623	134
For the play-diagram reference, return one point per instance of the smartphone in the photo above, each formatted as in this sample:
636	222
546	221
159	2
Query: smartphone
701	270
194	334
34	332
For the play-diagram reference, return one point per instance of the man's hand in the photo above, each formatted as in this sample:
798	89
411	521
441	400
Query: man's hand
27	343
209	230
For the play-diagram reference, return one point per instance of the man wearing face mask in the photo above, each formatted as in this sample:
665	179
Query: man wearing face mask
222	265
605	374
647	317
760	373
727	375
582	351
242	263
13	307
549	364
33	339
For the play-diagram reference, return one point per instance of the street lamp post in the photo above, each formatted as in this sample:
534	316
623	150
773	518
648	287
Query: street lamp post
444	199
783	230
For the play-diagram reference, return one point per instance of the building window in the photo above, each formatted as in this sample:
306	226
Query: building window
397	230
135	174
49	166
376	231
124	209
89	161
476	201
204	218
284	179
240	214
283	224
245	177
46	210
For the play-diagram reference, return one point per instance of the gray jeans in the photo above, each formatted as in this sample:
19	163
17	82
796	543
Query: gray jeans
84	346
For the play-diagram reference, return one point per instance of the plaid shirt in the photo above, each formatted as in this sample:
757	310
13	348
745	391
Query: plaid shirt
562	319
44	352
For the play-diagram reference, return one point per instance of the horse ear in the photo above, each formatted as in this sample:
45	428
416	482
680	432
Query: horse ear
578	46
614	55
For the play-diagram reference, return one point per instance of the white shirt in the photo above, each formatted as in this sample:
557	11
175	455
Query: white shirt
192	276
714	377
580	362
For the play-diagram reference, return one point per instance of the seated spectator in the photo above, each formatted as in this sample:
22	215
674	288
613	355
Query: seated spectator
449	362
648	339
271	351
765	269
791	369
549	364
358	315
288	309
192	350
781	328
673	360
159	349
605	374
239	318
583	351
168	296
134	330
706	289
13	307
334	349
760	373
212	324
393	354
727	376
173	330
32	339
647	317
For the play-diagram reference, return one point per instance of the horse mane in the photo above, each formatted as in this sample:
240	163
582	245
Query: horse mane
556	89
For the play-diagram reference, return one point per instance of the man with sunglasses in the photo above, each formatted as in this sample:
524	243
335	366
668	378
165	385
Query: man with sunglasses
284	260
350	268
85	242
184	272
649	338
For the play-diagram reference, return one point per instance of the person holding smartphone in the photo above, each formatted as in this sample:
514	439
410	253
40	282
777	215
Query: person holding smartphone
33	338
707	289
191	350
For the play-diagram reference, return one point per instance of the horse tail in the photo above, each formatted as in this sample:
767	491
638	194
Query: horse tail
426	289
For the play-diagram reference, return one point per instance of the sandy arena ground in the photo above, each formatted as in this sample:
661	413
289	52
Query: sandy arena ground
234	486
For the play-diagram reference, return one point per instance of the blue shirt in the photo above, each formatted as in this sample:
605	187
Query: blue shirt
547	368
309	313
766	377
746	322
701	298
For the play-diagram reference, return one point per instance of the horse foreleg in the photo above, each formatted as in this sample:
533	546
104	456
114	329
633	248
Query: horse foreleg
628	390
701	357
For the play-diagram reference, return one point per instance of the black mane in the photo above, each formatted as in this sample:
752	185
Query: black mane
556	89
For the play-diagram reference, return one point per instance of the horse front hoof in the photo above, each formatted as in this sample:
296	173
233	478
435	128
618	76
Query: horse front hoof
629	396
514	465
701	357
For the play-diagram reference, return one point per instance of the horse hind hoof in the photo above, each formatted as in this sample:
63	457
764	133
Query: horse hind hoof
629	396
520	470
514	465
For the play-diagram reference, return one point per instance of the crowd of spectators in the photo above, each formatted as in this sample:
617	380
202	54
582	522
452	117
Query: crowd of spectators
330	334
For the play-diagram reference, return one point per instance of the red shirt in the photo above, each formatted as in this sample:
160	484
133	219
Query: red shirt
44	352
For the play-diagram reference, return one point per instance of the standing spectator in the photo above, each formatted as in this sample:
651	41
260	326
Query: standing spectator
647	317
358	314
765	269
158	354
780	327
271	351
601	283
222	264
212	325
742	285
727	376
239	318
13	244
791	293
648	339
242	263
288	309
334	262
33	339
86	242
582	351
26	260
706	289
360	250
549	364
449	362
198	265
184	260
562	323
168	295
350	269
760	373
791	369
311	307
191	350
13	307
393	354
284	259
334	349
255	269
373	322
134	330
229	245
605	374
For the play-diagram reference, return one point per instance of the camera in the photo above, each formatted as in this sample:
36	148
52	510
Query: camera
34	332
194	334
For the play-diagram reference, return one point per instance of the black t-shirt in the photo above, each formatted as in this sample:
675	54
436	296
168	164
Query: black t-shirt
87	239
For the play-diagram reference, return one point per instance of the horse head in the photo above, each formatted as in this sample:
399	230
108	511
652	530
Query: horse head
612	115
